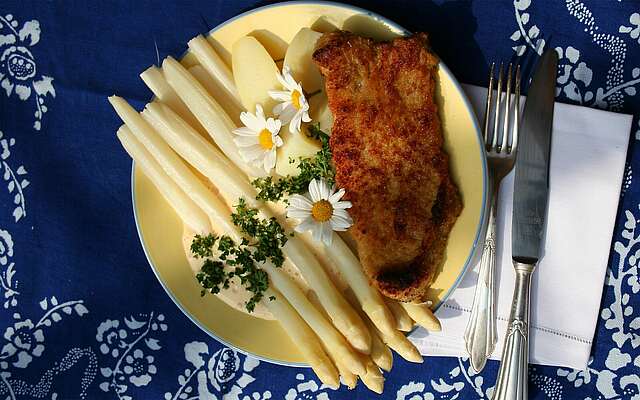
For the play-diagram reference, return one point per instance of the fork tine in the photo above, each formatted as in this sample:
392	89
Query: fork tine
516	113
507	105
496	120
487	112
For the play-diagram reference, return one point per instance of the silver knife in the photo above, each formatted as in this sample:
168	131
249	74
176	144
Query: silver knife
530	197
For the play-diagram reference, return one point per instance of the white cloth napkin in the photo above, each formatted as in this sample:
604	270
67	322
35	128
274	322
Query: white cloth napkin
587	165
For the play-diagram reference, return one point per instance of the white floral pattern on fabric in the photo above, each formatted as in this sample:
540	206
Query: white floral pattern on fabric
24	341
7	270
307	389
18	68
14	178
219	375
294	107
634	29
574	76
461	382
526	36
126	341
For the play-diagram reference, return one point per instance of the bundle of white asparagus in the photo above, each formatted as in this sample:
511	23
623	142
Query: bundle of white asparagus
340	334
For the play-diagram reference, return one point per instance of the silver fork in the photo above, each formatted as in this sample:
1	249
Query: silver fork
501	148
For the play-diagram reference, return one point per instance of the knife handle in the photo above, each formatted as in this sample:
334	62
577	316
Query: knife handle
512	383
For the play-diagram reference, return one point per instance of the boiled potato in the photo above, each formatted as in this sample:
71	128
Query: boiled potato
299	59
275	46
255	73
295	145
319	111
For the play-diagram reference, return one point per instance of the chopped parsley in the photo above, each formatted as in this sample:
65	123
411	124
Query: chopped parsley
316	167
268	235
225	259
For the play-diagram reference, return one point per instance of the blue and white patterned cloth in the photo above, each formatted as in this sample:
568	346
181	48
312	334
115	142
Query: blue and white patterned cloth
83	317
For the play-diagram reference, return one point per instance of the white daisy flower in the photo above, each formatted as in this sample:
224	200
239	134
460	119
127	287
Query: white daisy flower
294	108
258	139
322	212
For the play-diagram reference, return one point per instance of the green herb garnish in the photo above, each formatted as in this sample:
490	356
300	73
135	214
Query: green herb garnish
234	260
225	259
269	236
316	167
202	246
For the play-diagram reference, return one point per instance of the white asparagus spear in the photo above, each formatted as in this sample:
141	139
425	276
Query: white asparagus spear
404	322
401	345
210	114
422	314
211	61
213	87
226	178
373	378
344	317
202	155
348	378
380	352
349	266
171	162
153	78
327	333
305	340
186	209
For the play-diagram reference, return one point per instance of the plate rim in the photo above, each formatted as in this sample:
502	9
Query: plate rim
483	158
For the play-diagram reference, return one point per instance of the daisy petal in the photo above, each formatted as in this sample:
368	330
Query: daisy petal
300	202
296	121
342	214
334	198
251	121
282	81
287	113
327	233
279	95
339	223
244	131
273	126
245	141
298	214
306	117
277	140
316	231
342	205
305	225
269	160
325	190
315	191
259	112
252	153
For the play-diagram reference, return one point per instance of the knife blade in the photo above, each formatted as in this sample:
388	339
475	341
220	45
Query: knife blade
530	197
531	185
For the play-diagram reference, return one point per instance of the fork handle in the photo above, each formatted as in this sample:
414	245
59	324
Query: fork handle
512	383
480	334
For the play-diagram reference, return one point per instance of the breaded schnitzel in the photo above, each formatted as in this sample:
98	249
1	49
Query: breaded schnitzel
388	153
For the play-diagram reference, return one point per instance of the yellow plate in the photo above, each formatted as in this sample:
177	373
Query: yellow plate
160	230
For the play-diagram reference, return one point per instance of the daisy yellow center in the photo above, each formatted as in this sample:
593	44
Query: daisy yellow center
265	140
295	99
322	211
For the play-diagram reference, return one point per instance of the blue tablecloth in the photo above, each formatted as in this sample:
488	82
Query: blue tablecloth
83	316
